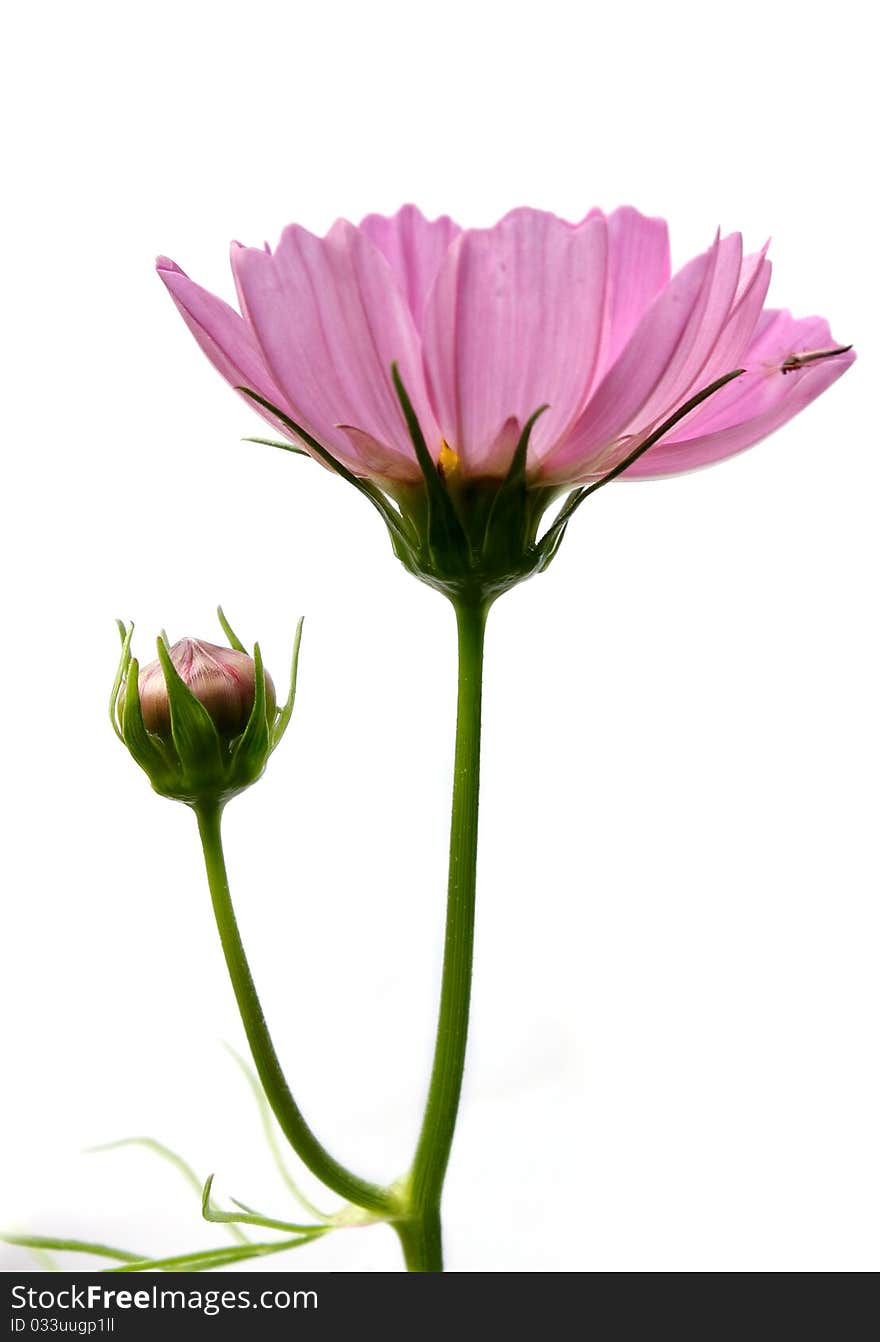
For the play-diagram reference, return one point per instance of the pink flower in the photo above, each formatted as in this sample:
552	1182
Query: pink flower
486	325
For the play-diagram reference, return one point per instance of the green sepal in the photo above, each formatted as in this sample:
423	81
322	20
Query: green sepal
124	660
446	536
195	737
550	544
282	721
234	640
552	538
507	527
251	750
144	748
392	519
473	538
274	442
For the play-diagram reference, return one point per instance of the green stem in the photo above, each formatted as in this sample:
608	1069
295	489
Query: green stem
421	1241
277	1091
420	1231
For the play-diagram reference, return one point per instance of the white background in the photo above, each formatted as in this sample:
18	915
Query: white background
673	1062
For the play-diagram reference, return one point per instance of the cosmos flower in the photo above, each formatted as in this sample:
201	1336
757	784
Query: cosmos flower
486	325
463	379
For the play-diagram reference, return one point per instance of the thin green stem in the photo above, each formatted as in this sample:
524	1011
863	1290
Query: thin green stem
284	1107
420	1233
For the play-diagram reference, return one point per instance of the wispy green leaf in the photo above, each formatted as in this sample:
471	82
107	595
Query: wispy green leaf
165	1153
206	1259
247	1215
158	1148
45	1260
71	1245
267	1119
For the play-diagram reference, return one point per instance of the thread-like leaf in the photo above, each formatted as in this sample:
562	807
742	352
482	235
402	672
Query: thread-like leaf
72	1245
46	1261
267	1119
205	1259
165	1153
247	1216
159	1149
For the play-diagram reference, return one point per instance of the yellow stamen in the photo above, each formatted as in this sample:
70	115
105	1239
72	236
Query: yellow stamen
447	462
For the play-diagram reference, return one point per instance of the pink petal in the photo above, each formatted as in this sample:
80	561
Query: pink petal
414	247
752	407
685	373
638	269
222	335
500	454
331	320
514	320
376	459
730	350
671	345
776	336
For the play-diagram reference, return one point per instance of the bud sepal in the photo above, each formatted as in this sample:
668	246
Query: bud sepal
201	721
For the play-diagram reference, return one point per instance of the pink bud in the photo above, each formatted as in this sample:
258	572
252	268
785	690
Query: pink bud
221	679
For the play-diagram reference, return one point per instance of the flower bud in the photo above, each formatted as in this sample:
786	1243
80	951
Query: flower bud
201	721
222	679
